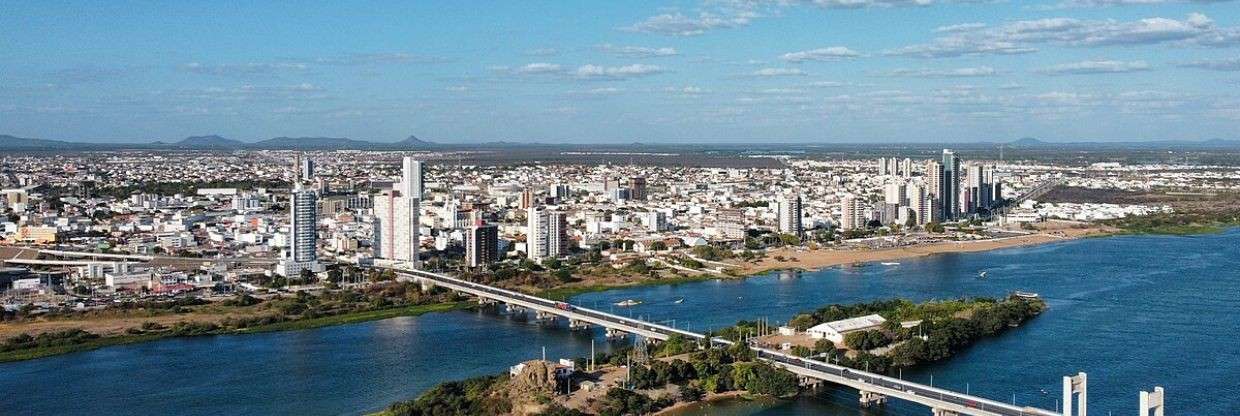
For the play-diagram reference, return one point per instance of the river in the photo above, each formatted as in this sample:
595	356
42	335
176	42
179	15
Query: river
1132	311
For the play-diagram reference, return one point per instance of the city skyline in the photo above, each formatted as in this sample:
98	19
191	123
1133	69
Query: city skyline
830	71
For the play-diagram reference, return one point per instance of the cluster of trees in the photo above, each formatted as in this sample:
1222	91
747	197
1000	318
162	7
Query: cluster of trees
47	339
623	402
474	396
866	340
718	370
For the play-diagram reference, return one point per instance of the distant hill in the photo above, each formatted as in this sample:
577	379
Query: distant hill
8	142
312	143
208	142
1027	141
413	142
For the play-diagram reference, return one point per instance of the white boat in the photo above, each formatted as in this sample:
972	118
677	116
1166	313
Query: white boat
629	302
1026	295
981	275
679	301
890	263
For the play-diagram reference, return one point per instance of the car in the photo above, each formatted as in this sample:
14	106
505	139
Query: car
563	306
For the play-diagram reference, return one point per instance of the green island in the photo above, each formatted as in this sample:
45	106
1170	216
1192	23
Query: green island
30	336
680	371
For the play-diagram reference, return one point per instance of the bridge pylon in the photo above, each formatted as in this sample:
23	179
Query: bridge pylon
615	334
544	316
942	412
1152	402
577	325
1075	385
869	398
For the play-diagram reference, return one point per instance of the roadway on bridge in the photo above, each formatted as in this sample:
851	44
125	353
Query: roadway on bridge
910	391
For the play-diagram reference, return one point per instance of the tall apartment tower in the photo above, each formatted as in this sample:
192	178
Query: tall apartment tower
398	216
481	242
546	234
306	166
882	166
637	188
949	186
790	213
906	168
303	233
852	213
302	224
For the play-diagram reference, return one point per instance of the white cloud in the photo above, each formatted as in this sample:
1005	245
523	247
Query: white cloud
1021	36
778	72
1109	3
1095	67
538	68
637	51
821	54
981	71
678	24
1225	64
590	71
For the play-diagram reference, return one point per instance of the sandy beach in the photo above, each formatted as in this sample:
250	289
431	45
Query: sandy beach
811	259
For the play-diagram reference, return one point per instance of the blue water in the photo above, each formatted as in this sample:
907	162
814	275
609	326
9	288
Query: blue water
1133	312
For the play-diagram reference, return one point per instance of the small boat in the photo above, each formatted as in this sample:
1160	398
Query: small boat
629	302
679	301
1026	295
890	263
981	275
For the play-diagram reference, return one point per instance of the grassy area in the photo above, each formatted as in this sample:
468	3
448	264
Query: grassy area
1177	223
300	324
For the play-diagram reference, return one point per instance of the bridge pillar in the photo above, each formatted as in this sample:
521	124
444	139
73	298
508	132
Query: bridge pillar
942	412
869	398
486	301
515	309
615	334
576	325
1152	401
544	316
810	382
1074	384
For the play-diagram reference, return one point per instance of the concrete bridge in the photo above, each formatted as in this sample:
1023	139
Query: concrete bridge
873	388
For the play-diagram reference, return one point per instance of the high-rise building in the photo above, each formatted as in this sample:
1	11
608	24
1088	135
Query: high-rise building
637	188
852	213
731	223
546	234
303	233
481	245
527	199
906	168
919	202
655	221
307	168
790	212
559	191
893	193
412	178
398	216
949	186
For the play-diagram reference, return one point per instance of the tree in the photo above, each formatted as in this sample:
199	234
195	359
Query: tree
658	246
789	240
935	227
802	322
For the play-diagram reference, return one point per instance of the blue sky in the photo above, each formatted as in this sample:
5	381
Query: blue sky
693	71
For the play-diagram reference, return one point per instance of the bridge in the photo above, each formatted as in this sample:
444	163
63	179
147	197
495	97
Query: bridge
873	388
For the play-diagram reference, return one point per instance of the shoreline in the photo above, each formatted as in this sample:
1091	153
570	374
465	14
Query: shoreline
312	323
819	259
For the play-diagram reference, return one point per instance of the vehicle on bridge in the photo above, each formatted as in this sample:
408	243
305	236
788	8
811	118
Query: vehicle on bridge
563	306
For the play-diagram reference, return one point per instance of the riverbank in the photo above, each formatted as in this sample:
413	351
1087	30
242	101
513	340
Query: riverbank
42	337
811	259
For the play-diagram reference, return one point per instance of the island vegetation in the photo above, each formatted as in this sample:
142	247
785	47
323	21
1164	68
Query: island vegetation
69	330
629	381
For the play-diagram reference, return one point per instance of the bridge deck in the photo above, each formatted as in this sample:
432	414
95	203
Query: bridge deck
933	397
